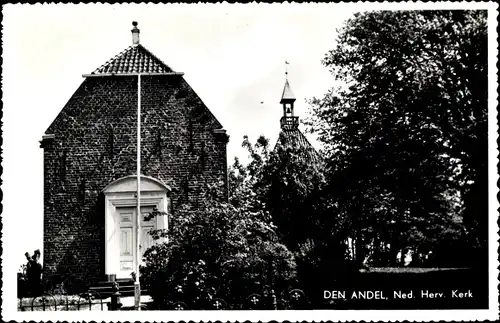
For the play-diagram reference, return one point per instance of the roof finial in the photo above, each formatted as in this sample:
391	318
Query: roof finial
286	70
287	95
135	33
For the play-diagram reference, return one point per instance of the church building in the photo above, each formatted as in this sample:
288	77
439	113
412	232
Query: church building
90	164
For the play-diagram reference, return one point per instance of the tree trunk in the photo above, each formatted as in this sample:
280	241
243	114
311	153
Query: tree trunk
360	254
393	254
404	251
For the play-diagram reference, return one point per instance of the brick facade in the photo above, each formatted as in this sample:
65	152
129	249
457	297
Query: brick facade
94	143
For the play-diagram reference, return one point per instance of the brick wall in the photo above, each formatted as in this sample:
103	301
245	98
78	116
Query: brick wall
95	143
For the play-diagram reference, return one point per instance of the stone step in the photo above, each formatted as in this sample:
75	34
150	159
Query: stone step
121	282
125	287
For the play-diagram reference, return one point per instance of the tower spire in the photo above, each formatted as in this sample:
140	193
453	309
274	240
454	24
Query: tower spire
288	121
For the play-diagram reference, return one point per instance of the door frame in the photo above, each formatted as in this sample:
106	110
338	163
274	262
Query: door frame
121	193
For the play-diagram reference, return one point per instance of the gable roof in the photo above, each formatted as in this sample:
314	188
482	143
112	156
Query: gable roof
134	59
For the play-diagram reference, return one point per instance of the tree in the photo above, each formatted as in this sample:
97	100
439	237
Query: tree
289	183
405	134
218	250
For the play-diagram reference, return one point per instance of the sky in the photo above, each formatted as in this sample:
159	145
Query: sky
233	56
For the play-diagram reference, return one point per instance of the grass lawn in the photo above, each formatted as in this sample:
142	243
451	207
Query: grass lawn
407	270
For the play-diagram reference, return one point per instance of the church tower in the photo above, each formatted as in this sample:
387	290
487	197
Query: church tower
288	121
290	134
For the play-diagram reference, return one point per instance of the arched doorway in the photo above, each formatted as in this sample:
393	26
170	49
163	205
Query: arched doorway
120	221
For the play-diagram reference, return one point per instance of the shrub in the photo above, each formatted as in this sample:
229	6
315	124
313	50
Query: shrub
217	250
29	276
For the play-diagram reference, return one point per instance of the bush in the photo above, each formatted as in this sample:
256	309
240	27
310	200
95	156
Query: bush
29	277
216	251
22	282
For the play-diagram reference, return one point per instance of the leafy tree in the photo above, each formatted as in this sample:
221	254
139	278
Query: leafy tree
286	181
405	134
218	250
292	181
289	182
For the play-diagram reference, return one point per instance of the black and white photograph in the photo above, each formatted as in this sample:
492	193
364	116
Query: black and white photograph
280	161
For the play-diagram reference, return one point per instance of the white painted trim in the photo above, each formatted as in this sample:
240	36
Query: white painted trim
133	74
129	184
121	193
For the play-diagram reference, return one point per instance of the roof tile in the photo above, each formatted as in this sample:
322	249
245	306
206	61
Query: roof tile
134	59
295	138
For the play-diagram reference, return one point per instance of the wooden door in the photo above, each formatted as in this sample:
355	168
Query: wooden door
127	237
126	240
146	240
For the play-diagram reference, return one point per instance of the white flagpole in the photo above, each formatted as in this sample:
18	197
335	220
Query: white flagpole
137	286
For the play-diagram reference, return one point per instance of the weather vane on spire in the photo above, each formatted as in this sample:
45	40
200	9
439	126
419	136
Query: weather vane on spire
286	69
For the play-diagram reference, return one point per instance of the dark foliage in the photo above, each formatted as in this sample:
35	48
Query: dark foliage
405	134
218	250
29	279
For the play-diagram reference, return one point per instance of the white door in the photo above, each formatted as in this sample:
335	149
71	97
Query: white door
127	237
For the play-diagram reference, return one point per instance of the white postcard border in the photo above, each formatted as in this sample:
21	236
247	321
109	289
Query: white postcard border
9	306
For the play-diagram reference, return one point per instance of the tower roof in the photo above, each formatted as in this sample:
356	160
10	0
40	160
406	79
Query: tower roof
294	138
287	95
290	135
134	59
